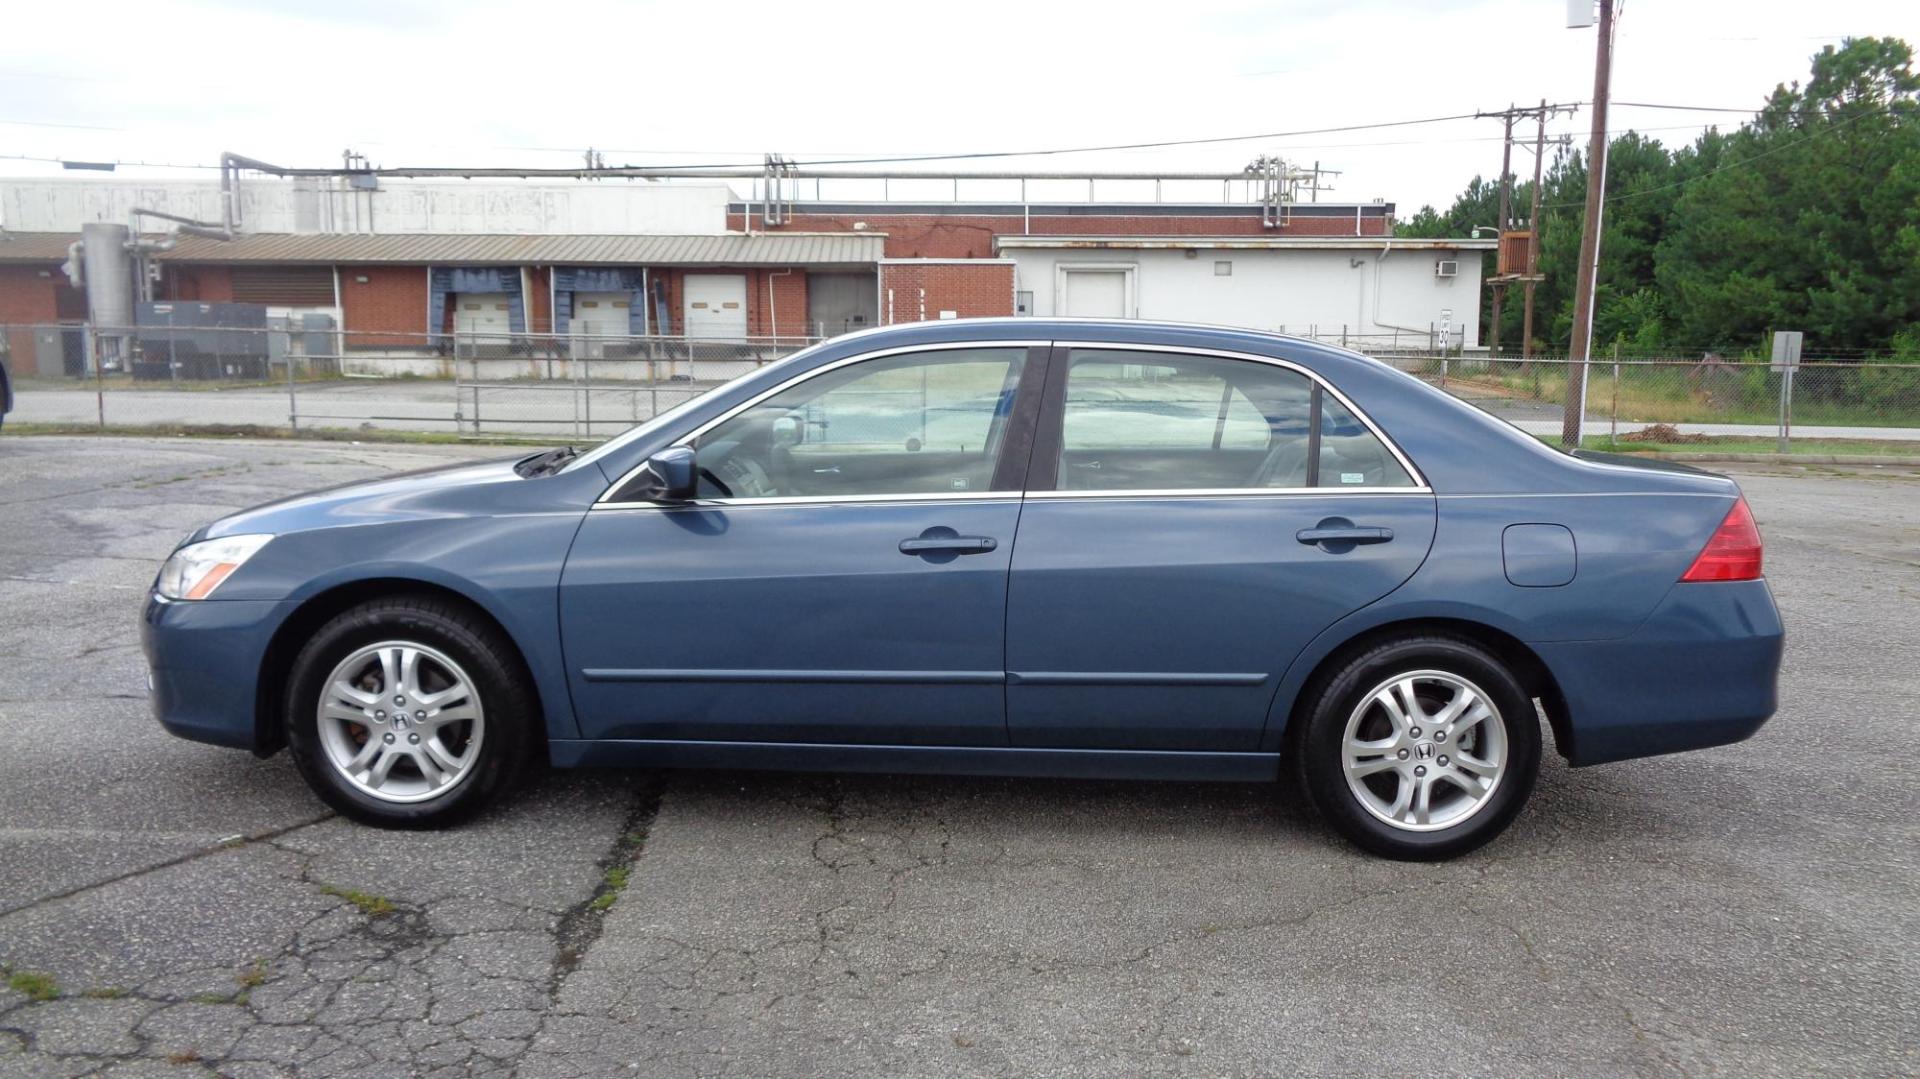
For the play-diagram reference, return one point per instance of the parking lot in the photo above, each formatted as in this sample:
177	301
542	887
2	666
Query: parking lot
171	908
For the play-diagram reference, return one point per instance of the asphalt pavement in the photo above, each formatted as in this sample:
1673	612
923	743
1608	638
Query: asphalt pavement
172	909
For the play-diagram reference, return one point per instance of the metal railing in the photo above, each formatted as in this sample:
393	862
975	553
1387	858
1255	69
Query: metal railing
582	388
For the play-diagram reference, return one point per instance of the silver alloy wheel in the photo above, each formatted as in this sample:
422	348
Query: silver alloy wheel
1424	750
401	721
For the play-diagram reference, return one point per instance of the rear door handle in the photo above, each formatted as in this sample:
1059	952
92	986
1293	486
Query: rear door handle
948	545
1348	534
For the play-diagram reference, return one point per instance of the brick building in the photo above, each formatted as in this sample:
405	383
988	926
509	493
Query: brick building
403	265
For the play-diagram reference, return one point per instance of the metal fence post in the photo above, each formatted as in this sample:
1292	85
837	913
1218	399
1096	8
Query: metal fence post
474	382
293	398
1786	411
573	374
1613	411
99	377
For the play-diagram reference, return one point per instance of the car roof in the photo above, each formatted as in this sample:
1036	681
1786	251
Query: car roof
1115	331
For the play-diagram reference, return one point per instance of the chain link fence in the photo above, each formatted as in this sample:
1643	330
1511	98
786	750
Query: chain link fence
537	387
1852	405
583	388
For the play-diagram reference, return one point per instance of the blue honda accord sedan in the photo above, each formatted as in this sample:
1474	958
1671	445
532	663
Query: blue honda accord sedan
997	546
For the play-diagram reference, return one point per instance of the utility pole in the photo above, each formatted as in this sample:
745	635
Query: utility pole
1533	229
1510	268
1504	223
1573	419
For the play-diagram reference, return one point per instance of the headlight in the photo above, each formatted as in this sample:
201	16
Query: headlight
197	569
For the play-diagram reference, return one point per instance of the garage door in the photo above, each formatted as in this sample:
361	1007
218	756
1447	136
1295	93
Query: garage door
1094	293
601	314
482	313
716	305
841	302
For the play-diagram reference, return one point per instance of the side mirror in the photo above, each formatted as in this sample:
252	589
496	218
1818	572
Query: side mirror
668	476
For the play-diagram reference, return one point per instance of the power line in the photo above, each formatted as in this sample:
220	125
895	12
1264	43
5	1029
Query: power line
1683	108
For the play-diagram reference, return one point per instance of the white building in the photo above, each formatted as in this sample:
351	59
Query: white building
390	207
1371	290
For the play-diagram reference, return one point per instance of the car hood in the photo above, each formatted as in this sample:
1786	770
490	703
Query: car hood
442	491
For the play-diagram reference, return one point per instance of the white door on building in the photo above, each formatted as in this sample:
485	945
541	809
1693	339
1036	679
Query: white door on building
1094	293
716	305
482	315
601	314
596	317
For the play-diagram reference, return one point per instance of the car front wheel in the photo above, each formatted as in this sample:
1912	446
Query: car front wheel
1420	748
408	713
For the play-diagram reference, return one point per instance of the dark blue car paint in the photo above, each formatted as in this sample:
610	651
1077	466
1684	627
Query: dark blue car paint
1215	587
708	600
1164	637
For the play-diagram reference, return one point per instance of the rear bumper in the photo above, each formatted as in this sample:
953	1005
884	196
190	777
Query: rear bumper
1702	671
203	666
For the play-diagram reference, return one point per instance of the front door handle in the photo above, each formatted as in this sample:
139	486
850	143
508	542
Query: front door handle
1344	534
948	545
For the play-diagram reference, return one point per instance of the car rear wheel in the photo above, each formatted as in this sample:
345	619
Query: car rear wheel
408	712
1420	747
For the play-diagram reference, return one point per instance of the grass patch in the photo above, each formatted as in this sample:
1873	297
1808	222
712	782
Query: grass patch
255	975
36	986
373	906
1854	447
613	881
1842	395
105	992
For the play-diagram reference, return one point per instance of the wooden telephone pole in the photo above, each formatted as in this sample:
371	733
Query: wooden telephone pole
1511	267
1504	223
1574	417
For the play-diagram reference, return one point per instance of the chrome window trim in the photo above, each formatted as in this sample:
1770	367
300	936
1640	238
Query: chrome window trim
606	496
1420	485
1419	478
1164	494
976	497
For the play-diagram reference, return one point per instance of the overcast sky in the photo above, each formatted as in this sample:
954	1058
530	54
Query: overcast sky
479	82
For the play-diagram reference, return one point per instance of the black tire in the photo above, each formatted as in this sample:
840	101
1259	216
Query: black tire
491	664
1319	759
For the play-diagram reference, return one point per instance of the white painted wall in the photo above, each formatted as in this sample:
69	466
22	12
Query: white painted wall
1298	291
399	206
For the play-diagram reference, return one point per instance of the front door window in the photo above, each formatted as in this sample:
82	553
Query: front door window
923	423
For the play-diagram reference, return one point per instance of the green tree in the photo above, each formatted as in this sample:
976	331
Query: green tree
1807	217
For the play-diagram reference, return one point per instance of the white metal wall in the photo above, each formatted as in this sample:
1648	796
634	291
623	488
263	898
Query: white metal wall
400	206
1366	291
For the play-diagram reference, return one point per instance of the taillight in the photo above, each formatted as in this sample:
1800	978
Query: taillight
1733	554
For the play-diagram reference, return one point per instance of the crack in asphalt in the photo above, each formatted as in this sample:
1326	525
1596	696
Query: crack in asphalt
266	836
453	984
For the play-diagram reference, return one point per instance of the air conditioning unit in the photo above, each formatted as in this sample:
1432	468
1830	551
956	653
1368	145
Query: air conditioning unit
1446	268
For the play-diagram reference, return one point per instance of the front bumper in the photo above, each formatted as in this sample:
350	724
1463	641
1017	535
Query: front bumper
203	666
1702	671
